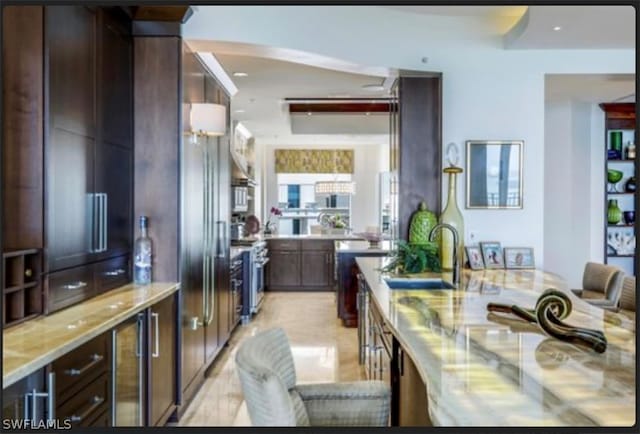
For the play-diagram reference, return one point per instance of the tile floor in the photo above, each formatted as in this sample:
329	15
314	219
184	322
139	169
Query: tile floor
323	351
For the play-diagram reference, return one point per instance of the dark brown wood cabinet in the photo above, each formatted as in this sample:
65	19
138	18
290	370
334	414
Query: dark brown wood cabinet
300	265
409	401
88	136
83	383
162	360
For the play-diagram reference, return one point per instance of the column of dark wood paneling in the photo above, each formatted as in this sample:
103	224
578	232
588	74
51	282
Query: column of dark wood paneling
157	136
420	134
22	127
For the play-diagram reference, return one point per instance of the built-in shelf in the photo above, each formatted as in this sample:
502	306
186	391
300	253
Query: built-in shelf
627	194
621	226
620	256
621	160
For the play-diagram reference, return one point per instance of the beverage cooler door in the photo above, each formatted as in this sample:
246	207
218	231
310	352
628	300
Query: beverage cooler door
127	369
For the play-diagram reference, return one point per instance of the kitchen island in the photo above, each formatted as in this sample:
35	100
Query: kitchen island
486	369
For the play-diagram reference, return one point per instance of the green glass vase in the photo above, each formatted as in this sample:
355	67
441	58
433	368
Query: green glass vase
452	216
614	214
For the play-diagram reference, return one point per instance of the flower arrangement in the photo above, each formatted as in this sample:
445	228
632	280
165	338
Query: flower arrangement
268	227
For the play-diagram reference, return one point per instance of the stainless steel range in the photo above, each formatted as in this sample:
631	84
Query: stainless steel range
258	260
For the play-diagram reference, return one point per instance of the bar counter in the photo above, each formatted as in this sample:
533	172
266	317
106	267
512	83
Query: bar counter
488	369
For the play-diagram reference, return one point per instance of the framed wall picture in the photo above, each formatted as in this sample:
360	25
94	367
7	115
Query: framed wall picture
492	254
474	255
494	174
519	257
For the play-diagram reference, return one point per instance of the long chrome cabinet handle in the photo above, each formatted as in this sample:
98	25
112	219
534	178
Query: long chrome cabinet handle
113	273
95	359
104	227
73	286
95	401
205	228
156	337
31	408
221	240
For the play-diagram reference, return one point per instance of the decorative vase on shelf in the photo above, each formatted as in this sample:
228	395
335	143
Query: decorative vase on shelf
630	185
614	213
615	142
451	215
422	222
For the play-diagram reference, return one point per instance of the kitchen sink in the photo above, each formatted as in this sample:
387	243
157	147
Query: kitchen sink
404	283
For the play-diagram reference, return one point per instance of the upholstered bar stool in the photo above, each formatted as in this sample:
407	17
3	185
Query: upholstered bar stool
601	285
268	378
628	297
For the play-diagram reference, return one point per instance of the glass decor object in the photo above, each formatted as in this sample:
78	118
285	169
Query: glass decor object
630	185
422	222
142	251
614	213
613	176
615	142
452	216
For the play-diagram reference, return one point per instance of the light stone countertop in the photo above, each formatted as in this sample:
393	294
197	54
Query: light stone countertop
361	246
33	344
312	237
482	369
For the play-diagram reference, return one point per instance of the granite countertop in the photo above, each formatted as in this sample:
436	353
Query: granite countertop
360	246
33	344
485	369
312	237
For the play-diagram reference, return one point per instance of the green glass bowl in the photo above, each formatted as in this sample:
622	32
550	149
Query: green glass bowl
614	176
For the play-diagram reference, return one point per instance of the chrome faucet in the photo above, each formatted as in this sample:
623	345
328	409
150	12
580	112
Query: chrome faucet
456	264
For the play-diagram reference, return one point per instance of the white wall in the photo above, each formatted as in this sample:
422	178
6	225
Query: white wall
368	162
573	188
488	92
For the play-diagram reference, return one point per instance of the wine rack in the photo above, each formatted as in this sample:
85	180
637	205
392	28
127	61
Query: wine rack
21	286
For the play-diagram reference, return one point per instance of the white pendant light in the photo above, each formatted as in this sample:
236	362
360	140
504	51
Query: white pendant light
335	187
208	119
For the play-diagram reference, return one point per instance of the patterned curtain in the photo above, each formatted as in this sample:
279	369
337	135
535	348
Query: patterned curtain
314	161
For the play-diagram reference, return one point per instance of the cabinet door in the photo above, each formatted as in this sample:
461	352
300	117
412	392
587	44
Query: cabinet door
128	372
70	200
284	269
114	191
162	389
70	43
71	36
413	406
317	268
114	156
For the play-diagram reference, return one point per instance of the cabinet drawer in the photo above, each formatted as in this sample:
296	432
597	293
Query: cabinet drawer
81	365
70	286
318	245
284	245
112	273
88	404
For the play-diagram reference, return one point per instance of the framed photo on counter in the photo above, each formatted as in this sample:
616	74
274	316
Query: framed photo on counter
492	254
519	257
474	255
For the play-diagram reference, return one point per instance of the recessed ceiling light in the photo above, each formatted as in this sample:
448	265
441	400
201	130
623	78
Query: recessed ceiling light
367	113
239	111
309	113
240	74
557	28
373	87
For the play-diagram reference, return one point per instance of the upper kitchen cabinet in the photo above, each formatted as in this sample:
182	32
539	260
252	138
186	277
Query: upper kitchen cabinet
89	137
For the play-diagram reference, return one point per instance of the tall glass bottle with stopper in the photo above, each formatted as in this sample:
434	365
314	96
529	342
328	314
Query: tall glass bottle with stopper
142	255
451	214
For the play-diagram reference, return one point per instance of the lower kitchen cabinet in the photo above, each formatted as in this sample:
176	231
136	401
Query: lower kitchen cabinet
83	382
300	265
128	367
162	360
409	402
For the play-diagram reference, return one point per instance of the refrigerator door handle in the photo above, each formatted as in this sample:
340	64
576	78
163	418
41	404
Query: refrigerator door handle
222	238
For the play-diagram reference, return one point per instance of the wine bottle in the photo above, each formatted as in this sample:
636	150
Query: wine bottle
142	255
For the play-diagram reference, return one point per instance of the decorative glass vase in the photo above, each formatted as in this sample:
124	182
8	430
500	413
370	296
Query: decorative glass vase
614	213
451	215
